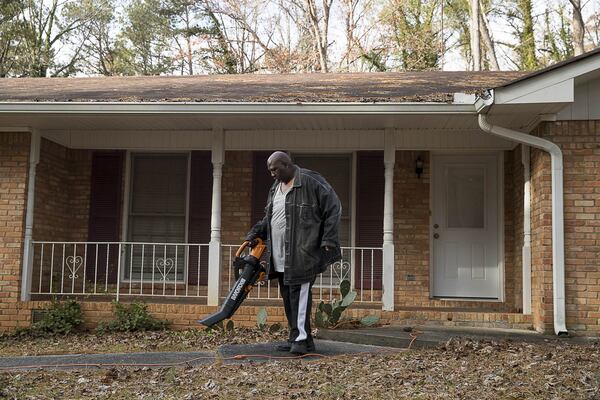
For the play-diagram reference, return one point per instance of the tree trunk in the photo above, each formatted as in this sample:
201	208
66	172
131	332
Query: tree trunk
578	27
487	39
475	35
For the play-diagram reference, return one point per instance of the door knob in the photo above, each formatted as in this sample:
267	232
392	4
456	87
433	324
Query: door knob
436	235
435	226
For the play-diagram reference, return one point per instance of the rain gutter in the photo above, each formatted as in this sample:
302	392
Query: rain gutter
234	108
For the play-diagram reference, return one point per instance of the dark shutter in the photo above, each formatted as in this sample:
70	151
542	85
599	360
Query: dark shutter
370	184
261	183
106	197
201	180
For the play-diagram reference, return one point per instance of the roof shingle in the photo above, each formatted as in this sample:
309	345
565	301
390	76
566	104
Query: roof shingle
432	86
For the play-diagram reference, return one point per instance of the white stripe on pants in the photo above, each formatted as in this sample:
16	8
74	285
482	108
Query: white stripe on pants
302	306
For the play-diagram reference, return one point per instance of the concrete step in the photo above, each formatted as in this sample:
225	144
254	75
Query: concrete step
427	336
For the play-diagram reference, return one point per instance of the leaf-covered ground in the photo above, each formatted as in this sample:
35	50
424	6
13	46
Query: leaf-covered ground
460	369
130	342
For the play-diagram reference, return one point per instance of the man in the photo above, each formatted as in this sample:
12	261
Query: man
301	229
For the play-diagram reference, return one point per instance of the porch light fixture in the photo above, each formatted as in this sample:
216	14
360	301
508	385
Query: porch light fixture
419	166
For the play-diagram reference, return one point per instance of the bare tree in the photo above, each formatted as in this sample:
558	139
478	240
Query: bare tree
46	29
361	34
487	39
578	27
593	31
411	33
319	20
475	35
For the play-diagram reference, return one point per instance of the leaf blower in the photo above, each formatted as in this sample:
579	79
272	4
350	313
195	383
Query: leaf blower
249	272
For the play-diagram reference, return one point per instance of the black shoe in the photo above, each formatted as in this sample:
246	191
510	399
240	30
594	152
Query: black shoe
303	347
286	347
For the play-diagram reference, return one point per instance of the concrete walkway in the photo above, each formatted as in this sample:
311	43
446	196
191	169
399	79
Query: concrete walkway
228	354
329	343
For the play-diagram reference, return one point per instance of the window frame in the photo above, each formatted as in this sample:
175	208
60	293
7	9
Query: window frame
127	204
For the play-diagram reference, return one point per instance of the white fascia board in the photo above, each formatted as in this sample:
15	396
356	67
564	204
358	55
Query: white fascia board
512	92
235	108
561	92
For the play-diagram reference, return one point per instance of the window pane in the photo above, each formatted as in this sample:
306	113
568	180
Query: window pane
465	197
336	169
159	184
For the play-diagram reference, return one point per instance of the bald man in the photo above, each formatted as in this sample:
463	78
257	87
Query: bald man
301	229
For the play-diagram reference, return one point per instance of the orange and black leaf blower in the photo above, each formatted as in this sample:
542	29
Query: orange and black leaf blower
249	272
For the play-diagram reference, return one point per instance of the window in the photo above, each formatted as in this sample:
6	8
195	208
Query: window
157	214
337	170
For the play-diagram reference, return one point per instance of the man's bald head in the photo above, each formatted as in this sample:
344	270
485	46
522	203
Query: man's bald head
281	167
279	156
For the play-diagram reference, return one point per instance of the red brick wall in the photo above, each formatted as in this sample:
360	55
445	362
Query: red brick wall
411	230
62	193
579	143
513	228
236	196
14	166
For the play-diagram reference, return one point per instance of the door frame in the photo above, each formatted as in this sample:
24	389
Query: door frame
500	193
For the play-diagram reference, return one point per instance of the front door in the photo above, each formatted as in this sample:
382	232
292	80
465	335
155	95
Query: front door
465	227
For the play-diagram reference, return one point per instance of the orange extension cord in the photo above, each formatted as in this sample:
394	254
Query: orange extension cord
99	365
237	357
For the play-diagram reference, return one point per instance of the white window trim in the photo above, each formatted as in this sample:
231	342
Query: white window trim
127	205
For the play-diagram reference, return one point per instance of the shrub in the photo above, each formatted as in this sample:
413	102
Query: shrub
131	318
60	318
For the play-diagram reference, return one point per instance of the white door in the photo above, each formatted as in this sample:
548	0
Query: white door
465	229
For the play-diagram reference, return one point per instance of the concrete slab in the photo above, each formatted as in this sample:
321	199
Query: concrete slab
86	361
240	353
430	336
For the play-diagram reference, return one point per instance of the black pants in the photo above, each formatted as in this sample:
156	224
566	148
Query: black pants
297	302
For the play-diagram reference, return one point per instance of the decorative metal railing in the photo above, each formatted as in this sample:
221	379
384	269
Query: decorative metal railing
362	266
119	269
116	269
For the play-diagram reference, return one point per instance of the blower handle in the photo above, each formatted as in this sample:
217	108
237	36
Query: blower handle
256	250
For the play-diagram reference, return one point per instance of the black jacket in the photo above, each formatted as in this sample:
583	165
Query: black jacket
312	215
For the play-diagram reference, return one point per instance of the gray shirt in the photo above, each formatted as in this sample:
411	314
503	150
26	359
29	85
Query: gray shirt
278	229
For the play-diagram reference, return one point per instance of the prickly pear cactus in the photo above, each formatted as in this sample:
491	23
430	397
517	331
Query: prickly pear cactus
328	314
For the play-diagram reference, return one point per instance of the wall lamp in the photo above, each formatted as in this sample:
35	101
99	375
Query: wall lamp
419	166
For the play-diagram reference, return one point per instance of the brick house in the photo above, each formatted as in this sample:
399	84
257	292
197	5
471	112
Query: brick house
470	198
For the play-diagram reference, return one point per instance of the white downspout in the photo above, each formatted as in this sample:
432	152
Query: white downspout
558	240
26	269
526	251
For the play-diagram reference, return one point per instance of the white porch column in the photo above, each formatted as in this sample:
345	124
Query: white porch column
26	269
389	158
526	252
214	248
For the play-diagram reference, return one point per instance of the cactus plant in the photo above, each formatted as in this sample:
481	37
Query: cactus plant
328	314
